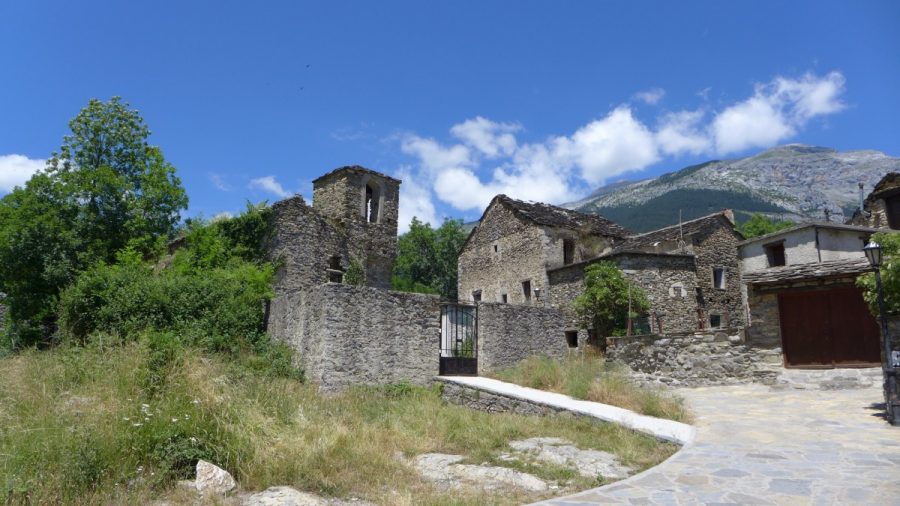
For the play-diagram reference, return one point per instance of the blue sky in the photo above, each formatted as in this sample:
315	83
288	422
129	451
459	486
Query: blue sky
461	100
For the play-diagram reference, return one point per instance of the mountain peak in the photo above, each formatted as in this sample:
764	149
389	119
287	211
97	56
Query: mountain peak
793	181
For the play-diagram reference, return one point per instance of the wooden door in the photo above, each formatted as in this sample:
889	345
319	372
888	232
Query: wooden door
825	328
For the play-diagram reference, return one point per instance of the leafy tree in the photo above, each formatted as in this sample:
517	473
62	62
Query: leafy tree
890	275
355	274
760	224
603	305
105	190
427	258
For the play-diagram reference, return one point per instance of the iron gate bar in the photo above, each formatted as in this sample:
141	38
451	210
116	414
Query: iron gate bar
458	350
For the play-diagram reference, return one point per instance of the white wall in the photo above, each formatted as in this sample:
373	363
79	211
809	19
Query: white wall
800	247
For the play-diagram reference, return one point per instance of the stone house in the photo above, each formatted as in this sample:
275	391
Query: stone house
802	299
346	335
507	256
536	254
712	242
881	209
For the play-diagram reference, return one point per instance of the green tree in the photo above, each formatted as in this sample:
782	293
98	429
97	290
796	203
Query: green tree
427	258
760	224
890	275
105	190
603	305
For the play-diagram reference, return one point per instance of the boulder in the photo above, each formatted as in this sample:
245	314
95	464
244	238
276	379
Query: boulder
212	479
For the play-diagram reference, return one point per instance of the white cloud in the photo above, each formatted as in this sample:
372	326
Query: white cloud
681	132
487	158
15	170
611	146
269	184
651	96
433	156
490	138
415	201
224	215
219	182
776	111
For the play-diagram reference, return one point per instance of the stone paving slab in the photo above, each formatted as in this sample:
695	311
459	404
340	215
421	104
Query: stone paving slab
757	445
667	430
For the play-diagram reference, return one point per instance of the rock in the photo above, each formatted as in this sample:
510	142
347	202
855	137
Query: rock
445	471
591	463
287	496
282	496
212	479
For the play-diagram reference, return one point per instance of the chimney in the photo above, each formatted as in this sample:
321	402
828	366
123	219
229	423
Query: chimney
729	214
861	200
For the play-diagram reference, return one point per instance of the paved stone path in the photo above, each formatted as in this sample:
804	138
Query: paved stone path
758	445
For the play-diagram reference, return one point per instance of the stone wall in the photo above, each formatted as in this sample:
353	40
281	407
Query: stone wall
718	248
764	323
657	274
696	359
348	335
491	402
509	333
502	252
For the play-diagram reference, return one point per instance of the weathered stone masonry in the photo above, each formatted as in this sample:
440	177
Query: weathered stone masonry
712	357
671	309
509	333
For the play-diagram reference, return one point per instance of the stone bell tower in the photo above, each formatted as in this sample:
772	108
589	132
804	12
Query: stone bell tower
363	204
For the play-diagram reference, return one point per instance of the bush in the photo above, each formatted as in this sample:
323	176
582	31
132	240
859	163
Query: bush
219	309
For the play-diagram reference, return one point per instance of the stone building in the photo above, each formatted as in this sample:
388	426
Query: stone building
353	218
507	256
536	254
347	335
881	209
712	241
802	299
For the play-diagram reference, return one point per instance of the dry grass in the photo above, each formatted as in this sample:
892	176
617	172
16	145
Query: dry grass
592	378
81	426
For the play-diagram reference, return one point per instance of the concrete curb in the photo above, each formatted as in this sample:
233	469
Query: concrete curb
666	430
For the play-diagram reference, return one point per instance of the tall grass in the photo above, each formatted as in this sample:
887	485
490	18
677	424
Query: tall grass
118	423
591	378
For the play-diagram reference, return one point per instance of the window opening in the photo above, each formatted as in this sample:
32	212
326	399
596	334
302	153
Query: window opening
893	211
476	295
335	273
371	208
568	251
715	321
526	289
775	254
719	278
572	338
495	248
503	298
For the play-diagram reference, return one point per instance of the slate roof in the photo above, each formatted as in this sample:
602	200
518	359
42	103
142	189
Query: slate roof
353	168
555	216
672	233
830	269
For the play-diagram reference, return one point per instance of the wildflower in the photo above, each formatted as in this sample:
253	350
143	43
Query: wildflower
137	424
126	418
174	420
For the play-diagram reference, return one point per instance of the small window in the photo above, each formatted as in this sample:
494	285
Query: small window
496	248
719	278
568	251
476	295
526	289
335	273
503	298
678	291
572	338
370	211
775	254
892	205
715	321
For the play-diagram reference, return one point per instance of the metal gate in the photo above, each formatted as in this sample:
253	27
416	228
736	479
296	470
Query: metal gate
459	340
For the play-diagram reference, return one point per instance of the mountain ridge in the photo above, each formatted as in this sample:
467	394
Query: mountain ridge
793	181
